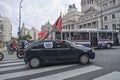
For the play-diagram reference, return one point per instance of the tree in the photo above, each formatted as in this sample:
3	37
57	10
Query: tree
26	36
14	38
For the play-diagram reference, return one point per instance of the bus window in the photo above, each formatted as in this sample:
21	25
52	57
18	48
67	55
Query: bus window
102	35
65	35
58	35
84	36
109	35
75	36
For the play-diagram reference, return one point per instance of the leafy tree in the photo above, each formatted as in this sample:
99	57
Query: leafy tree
26	36
14	38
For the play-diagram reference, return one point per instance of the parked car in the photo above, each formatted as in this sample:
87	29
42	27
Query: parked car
49	51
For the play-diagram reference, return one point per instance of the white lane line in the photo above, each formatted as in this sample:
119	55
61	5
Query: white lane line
10	64
11	60
111	76
30	72
68	74
12	68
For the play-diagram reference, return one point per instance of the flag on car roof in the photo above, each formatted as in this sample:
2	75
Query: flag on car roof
57	26
42	34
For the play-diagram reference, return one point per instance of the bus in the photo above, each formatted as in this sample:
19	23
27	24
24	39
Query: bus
90	37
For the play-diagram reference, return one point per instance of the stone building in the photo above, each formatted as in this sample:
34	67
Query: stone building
46	26
98	14
5	29
33	32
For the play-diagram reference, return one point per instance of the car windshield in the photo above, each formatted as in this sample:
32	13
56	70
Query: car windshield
33	44
69	42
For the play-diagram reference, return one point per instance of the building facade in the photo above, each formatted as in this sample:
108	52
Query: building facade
1	29
98	14
46	26
33	32
5	29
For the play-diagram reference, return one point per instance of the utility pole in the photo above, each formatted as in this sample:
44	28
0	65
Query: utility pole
19	29
101	12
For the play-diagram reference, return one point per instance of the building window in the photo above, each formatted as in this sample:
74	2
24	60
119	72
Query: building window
114	1
68	26
72	26
63	27
105	18
80	26
88	1
106	26
105	5
114	26
113	16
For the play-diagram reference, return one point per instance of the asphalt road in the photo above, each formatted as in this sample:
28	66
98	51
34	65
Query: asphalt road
106	66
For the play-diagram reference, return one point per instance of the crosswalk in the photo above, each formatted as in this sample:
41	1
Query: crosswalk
16	69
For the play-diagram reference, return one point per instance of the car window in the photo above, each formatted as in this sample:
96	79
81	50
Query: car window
65	45
38	46
58	45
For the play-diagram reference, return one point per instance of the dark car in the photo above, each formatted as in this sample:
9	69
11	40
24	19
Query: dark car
47	52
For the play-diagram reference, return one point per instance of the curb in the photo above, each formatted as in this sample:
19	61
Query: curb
3	50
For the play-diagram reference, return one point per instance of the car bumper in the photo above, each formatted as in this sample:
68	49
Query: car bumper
92	55
26	60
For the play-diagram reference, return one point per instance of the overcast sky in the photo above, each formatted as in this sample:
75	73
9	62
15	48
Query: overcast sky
34	12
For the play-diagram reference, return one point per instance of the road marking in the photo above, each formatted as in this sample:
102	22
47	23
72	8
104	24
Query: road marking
10	64
68	74
111	76
11	60
12	68
30	72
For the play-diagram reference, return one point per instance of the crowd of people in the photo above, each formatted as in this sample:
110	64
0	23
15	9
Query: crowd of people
14	44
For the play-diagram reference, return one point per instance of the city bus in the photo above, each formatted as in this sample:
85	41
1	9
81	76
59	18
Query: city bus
90	37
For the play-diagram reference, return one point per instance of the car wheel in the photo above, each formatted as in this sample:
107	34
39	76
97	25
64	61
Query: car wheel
34	62
109	45
20	54
84	59
1	56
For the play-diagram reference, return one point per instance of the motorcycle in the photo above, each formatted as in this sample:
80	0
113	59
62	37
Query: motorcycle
12	50
1	56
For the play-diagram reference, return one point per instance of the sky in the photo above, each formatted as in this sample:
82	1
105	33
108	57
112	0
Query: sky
34	12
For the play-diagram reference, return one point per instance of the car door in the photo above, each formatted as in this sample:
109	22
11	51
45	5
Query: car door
63	52
69	53
44	50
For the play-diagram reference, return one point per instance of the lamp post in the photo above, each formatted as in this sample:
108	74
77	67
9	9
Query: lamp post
19	29
101	12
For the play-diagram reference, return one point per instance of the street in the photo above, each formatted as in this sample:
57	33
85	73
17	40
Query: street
106	66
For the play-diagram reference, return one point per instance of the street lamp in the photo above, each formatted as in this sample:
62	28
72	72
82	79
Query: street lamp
101	12
19	31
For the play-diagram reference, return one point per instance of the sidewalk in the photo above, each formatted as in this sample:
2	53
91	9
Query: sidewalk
116	47
4	49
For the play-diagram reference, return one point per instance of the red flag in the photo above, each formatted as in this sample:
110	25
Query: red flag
42	34
58	24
